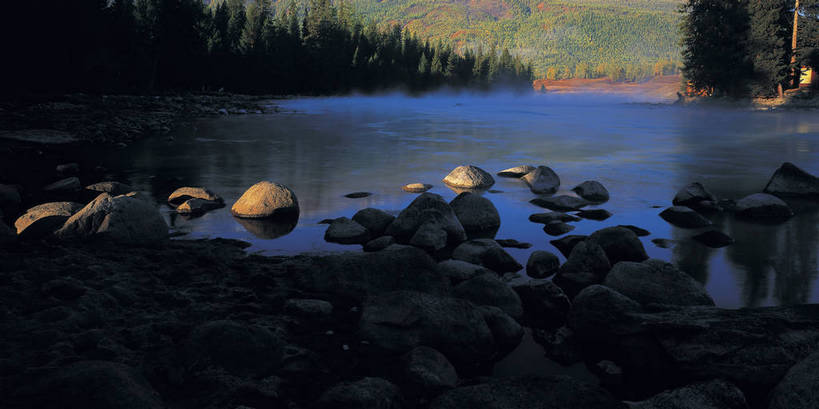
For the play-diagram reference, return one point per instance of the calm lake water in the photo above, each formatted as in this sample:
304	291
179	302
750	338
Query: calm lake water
643	152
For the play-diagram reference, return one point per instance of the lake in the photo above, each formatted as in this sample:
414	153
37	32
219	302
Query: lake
641	150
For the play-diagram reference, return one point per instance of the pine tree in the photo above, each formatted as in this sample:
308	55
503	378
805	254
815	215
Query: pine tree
766	44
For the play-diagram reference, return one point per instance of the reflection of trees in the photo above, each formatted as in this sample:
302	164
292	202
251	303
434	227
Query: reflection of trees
690	256
796	261
754	248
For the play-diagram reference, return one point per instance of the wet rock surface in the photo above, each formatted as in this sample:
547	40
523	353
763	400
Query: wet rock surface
542	180
792	181
469	177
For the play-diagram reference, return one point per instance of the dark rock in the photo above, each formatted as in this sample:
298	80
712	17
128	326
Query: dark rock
487	253
799	389
762	206
529	392
416	187
599	312
68	168
686	217
609	373
595	214
9	199
664	243
512	243
346	231
327	221
95	385
240	349
64	288
7	235
619	244
638	231
560	203
427	207
198	206
790	180
431	236
542	180
308	308
542	264
121	219
71	184
358	195
546	218
592	191
458	271
43	220
429	370
488	289
367	393
714	239
469	177
716	394
477	215
374	220
586	265
558	344
379	244
656	282
516	172
566	244
696	196
112	188
557	228
506	332
544	303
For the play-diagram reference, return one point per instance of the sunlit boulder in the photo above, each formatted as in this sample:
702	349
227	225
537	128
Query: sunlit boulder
266	199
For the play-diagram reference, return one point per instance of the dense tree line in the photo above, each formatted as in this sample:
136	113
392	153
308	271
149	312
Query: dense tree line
316	47
743	47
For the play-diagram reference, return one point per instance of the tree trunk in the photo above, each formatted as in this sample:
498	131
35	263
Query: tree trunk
795	71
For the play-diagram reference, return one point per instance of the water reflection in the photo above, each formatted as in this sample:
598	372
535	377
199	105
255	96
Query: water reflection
268	228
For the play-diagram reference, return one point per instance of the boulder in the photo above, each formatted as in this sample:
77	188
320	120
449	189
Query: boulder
68	168
120	219
762	206
43	220
549	217
595	214
512	243
791	181
346	231
399	321
431	236
656	282
716	394
184	194
544	303
477	215
799	389
459	271
592	191
599	312
379	244
427	207
487	253
428	370
560	203
309	308
266	200
240	349
506	331
416	187
355	275
488	289
374	220
696	196
94	385
640	232
587	265
198	206
714	239
366	393
528	392
619	244
542	264
557	228
469	177
542	180
110	187
682	216
71	184
516	172
567	243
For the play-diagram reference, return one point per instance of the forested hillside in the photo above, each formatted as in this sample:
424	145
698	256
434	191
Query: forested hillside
623	39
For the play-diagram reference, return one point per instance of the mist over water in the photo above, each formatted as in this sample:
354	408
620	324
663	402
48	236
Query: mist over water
641	150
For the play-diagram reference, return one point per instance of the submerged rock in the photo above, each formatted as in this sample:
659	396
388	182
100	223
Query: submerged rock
790	180
477	215
714	239
640	232
374	220
43	220
549	217
512	243
469	177
664	243
542	180
716	394
416	187
592	190
542	264
71	184
557	228
656	282
266	200
121	219
198	206
346	231
560	203
488	253
366	393
516	172
764	207
683	216
595	214
110	187
697	197
358	195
